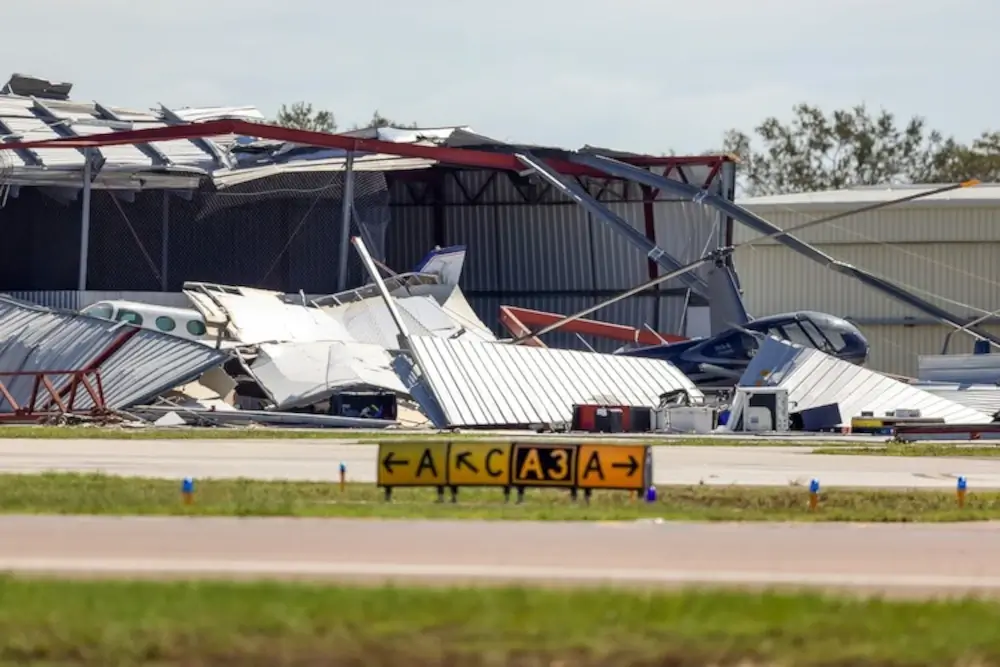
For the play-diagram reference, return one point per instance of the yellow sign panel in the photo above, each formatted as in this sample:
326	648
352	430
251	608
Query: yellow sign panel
479	464
612	467
543	465
413	464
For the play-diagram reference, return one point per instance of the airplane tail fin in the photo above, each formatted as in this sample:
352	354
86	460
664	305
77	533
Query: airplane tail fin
725	303
446	263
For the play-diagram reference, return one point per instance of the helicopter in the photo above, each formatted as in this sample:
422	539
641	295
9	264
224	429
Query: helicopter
720	360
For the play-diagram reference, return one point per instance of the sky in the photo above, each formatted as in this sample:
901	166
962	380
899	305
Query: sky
649	76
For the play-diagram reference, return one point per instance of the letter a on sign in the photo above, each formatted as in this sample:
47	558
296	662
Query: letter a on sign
412	464
593	466
613	467
533	464
426	463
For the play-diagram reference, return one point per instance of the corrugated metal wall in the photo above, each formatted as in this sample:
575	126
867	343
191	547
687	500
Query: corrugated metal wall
528	245
776	279
895	348
533	248
949	251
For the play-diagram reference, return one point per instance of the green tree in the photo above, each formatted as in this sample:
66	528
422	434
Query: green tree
301	116
979	160
851	147
378	120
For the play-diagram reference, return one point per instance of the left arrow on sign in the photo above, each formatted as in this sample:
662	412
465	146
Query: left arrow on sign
632	466
389	462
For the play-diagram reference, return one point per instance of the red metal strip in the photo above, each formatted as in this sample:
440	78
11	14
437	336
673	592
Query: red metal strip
517	328
586	327
457	156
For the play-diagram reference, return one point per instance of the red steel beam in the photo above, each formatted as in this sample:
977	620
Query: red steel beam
457	156
38	406
517	328
524	316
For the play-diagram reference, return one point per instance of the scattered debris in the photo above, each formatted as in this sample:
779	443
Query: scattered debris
54	362
815	380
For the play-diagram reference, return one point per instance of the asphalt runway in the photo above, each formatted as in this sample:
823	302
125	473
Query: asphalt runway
320	459
884	559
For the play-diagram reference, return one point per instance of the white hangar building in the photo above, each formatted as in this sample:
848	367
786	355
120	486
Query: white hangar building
944	248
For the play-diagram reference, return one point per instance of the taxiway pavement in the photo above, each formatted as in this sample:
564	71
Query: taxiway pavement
890	559
320	459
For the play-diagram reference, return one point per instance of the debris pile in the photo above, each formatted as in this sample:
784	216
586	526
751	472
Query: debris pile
404	351
407	350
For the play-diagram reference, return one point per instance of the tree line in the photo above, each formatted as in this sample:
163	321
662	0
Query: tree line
813	150
302	116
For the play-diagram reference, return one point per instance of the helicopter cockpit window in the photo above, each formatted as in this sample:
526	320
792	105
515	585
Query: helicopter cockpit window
836	340
822	338
806	333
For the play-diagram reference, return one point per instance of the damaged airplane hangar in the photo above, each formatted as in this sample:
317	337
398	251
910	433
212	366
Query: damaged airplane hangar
416	348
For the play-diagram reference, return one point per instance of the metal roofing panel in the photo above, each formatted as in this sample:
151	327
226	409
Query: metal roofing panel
962	368
495	384
17	118
985	194
984	398
86	119
149	364
146	364
814	379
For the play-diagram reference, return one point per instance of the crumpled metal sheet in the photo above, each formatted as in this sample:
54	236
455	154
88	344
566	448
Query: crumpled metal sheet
480	384
814	379
369	320
302	374
136	365
254	316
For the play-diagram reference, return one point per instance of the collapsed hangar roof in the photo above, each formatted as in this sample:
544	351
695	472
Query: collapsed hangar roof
34	110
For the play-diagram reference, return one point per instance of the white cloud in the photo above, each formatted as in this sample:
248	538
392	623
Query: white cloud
638	74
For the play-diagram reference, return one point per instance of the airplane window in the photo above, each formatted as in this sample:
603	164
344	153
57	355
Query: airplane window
100	310
164	323
196	328
130	316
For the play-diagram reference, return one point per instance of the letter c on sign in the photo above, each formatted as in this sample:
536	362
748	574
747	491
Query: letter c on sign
489	463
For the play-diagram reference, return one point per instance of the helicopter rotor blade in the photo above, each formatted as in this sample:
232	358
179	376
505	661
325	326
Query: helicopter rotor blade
728	251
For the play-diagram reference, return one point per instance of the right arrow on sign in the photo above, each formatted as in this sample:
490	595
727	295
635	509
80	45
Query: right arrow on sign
389	462
632	466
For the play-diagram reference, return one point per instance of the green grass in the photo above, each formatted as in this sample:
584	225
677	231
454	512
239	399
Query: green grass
916	449
199	624
362	436
99	494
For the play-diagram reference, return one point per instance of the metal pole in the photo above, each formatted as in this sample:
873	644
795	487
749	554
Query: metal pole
164	240
369	264
347	208
81	282
615	299
978	320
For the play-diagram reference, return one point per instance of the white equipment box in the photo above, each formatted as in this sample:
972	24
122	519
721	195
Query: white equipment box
761	409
